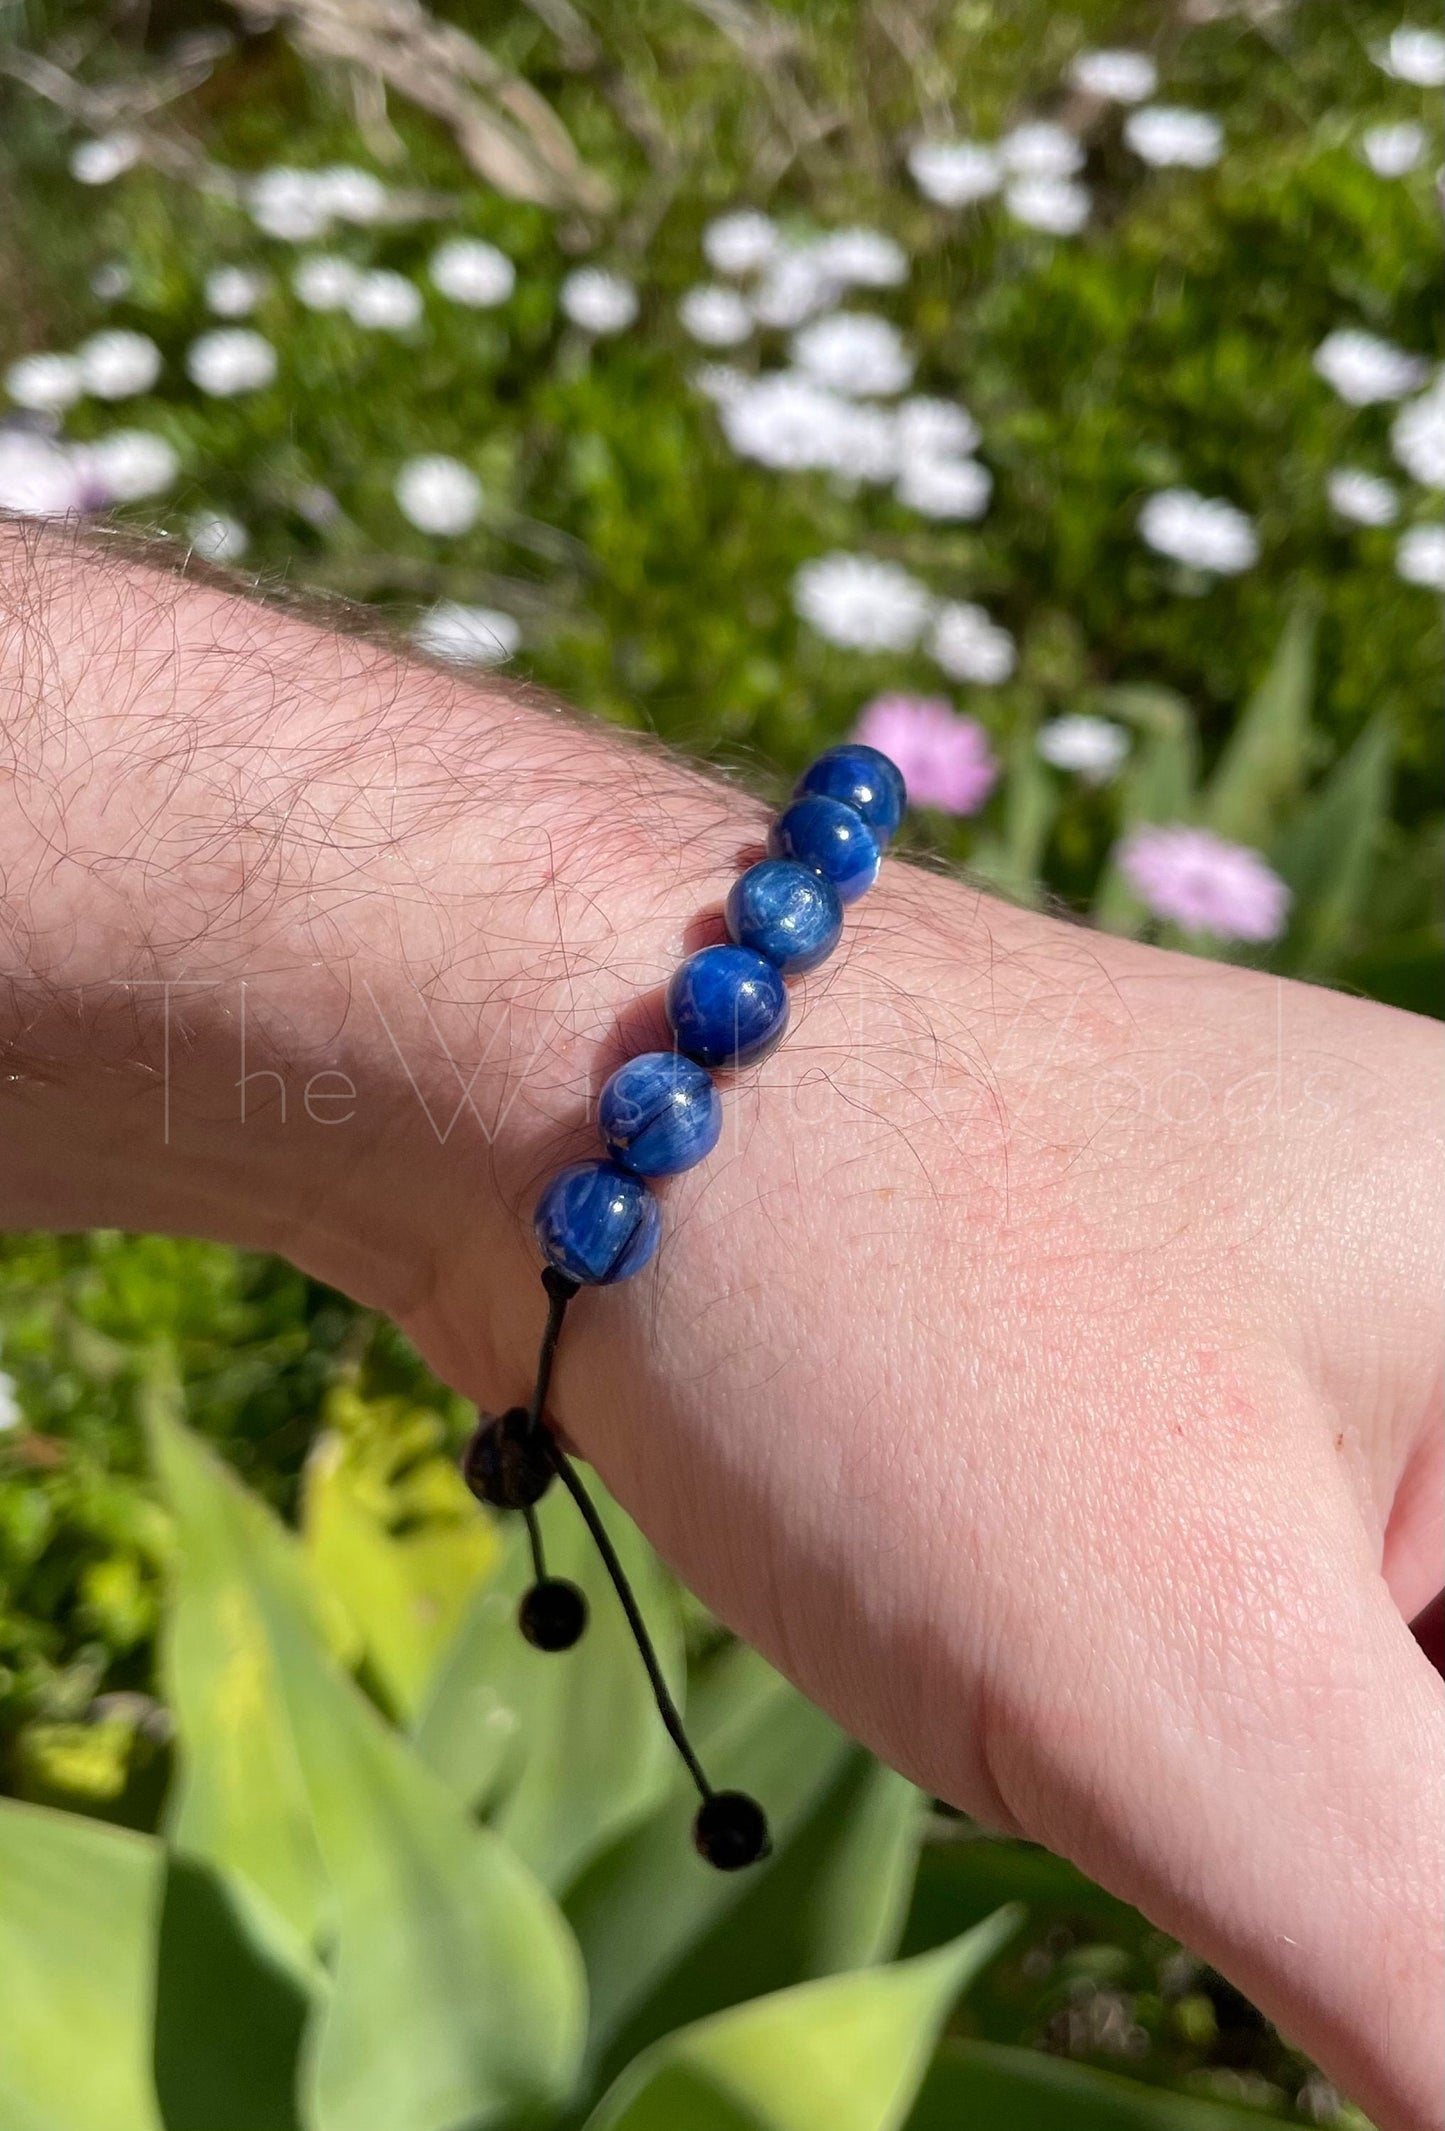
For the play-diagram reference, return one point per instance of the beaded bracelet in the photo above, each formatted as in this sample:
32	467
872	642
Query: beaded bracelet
599	1221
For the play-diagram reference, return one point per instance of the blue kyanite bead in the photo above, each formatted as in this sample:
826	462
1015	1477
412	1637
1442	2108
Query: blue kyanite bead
786	912
597	1223
863	779
659	1114
727	1006
832	839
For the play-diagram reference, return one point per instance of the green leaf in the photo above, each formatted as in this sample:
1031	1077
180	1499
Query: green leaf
848	2051
1023	2090
572	1745
239	1798
650	1900
78	1905
456	1993
1327	854
834	1896
391	1530
230	2011
1262	768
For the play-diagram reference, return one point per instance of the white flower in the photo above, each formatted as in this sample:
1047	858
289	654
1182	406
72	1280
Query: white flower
792	423
861	603
289	204
1394	151
45	383
722	383
1168	135
234	291
385	301
350	194
797	284
40	479
1362	368
230	360
1417	437
854	353
131	463
599	301
1117	77
217	537
862	258
784	421
1415	55
1420	556
929	429
945	488
470	271
115	365
955	173
970	646
1362	498
1051	204
740	243
110	281
466	636
1092	748
10	1414
1040	149
438	494
1201	531
324	281
100	161
717	317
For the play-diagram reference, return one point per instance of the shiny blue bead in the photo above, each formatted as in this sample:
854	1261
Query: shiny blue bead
831	839
786	912
597	1223
659	1113
727	1006
864	780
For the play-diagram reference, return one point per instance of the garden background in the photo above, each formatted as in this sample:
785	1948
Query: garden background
1053	388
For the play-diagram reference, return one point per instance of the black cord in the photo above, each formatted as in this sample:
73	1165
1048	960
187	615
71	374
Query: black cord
534	1541
560	1291
666	1707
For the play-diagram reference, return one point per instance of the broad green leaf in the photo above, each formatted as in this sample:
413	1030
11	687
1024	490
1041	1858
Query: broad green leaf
963	1880
239	1798
848	2051
1262	768
834	1896
391	1530
456	1996
230	2010
78	1908
570	1743
1327	853
649	1904
987	2083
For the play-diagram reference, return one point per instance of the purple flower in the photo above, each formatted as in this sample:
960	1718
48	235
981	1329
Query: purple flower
1198	881
944	758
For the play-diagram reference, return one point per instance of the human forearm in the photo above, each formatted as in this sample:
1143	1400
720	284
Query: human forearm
1042	1366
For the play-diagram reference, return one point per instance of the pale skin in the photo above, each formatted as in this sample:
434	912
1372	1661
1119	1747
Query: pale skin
1044	1370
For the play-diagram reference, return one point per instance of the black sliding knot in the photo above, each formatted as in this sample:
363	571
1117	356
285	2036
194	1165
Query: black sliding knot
731	1830
508	1462
552	1614
559	1287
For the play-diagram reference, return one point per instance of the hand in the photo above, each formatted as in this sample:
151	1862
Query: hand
1043	1370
